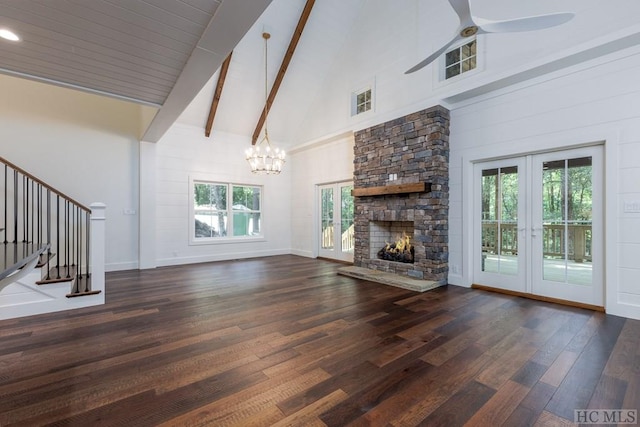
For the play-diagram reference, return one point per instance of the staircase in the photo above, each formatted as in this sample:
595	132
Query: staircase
51	247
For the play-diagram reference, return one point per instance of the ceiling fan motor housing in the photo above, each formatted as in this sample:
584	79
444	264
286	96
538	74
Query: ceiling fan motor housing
469	31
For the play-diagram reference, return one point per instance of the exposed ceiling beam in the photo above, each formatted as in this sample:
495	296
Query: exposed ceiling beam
229	24
283	67
217	94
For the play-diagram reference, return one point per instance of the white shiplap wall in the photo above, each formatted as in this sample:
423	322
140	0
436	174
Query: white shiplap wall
324	162
185	152
84	145
597	101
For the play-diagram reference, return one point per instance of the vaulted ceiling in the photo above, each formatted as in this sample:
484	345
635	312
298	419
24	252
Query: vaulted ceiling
167	53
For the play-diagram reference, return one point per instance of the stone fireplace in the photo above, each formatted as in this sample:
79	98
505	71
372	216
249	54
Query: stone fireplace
401	176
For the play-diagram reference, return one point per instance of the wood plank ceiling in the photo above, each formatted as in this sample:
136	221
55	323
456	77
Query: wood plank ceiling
132	49
153	52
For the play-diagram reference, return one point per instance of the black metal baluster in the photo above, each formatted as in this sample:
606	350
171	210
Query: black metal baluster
6	194
58	234
66	240
15	206
80	243
74	242
39	214
33	211
73	236
87	286
48	233
25	213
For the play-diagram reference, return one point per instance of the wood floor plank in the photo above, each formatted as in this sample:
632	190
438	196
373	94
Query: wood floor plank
548	419
285	340
506	365
623	362
444	383
609	394
500	406
464	404
532	406
576	389
309	414
559	369
238	408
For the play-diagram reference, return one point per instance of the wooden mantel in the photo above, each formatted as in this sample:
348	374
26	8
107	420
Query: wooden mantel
416	187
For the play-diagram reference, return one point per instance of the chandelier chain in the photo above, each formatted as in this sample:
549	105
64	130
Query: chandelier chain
265	159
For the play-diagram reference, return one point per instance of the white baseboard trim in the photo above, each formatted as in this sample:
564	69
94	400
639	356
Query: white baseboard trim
306	254
630	308
165	262
456	279
119	266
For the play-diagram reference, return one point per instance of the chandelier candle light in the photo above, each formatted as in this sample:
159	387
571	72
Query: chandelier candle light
265	159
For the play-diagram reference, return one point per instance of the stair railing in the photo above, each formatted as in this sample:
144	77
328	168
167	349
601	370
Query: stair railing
37	214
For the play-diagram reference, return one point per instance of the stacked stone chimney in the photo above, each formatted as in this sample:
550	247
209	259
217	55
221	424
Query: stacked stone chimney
410	149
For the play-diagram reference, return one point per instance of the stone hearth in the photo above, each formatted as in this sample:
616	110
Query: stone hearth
408	150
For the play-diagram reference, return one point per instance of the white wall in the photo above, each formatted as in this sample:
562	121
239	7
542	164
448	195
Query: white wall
84	145
183	152
597	101
323	162
389	37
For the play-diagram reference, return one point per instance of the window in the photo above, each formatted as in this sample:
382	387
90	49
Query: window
461	59
222	210
361	101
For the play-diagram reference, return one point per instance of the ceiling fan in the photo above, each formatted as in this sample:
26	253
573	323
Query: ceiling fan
471	25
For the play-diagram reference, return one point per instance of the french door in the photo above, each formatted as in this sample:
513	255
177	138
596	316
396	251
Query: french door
538	225
336	231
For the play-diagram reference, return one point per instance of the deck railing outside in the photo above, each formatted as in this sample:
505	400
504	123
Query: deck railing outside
347	238
553	240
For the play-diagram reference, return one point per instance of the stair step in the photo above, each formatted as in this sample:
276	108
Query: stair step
46	256
66	274
79	287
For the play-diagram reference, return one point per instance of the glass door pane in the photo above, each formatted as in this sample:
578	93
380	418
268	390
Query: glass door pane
499	238
500	190
346	219
567	194
336	223
326	218
567	225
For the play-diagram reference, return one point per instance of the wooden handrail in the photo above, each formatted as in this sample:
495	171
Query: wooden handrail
44	184
22	255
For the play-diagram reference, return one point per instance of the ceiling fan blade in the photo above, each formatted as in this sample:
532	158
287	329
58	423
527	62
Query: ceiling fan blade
528	23
429	59
462	9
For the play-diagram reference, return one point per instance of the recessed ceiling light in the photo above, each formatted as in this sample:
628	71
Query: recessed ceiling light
9	35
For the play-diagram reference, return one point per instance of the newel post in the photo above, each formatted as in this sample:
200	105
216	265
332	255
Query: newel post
98	244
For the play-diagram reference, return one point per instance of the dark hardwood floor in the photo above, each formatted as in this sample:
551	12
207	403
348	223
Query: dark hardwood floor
286	341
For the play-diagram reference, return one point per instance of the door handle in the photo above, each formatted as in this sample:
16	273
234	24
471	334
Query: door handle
523	232
535	230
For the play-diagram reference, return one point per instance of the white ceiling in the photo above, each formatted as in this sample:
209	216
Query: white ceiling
166	53
243	97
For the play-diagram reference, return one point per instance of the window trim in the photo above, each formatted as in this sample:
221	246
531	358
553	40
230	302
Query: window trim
353	100
193	241
440	71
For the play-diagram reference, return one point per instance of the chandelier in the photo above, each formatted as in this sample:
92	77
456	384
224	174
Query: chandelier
262	157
